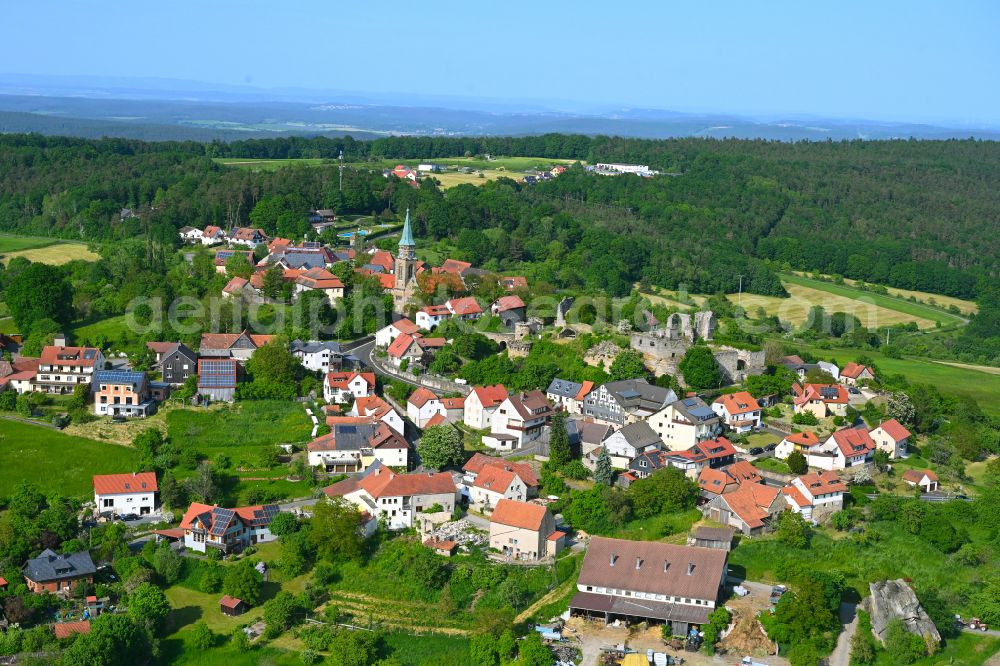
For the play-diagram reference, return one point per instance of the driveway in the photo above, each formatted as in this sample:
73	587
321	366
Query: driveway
849	621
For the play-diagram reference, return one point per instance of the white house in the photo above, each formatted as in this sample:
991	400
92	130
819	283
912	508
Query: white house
796	441
398	498
322	280
627	443
493	484
126	493
227	530
384	336
429	316
684	423
567	395
354	444
340	387
191	235
890	436
924	479
518	420
315	355
422	406
738	410
845	448
376	408
212	235
481	403
812	494
855	373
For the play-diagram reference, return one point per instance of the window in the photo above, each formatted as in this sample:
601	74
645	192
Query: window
107	502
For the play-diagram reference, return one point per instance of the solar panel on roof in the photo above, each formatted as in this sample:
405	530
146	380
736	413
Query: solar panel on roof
89	353
629	393
219	373
221	522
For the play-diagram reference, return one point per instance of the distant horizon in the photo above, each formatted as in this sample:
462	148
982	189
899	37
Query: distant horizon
900	61
222	93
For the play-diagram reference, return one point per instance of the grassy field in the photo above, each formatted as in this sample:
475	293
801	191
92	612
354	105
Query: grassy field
271	165
111	328
964	306
429	649
982	386
43	250
56	462
243	428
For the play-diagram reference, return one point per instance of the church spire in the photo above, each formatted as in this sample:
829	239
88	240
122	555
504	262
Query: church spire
407	238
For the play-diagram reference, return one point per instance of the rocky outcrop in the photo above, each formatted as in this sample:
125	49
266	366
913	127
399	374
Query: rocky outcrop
893	599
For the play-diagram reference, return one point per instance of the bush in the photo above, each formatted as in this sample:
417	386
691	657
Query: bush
202	637
797	463
805	418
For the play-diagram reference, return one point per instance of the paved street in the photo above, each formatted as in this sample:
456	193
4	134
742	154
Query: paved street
849	621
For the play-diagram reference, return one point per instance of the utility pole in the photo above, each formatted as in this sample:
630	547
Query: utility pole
341	170
739	298
887	337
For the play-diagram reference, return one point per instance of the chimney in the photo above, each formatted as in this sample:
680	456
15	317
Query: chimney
666	565
690	568
614	557
638	563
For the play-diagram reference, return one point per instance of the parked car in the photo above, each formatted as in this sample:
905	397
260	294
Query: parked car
771	447
130	516
756	451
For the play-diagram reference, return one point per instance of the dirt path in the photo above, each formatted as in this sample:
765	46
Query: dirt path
551	596
988	369
849	619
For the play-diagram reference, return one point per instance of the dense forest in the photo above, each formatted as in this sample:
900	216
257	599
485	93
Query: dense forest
903	213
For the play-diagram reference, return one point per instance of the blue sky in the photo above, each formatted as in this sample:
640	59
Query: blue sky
892	60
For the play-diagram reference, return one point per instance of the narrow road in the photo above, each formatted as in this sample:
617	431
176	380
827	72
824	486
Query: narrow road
849	619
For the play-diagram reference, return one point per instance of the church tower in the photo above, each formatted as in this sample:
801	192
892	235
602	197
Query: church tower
406	267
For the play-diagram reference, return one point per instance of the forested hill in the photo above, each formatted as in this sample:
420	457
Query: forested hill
912	214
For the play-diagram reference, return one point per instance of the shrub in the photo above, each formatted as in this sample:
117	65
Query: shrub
805	418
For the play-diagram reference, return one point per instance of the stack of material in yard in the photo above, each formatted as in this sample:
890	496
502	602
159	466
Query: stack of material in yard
747	635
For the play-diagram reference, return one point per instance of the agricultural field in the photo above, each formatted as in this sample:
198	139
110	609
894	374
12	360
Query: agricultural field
964	306
240	430
43	250
271	165
54	461
983	387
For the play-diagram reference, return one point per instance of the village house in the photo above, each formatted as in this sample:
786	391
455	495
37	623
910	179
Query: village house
212	235
586	435
480	462
344	386
454	408
413	349
518	420
481	403
175	360
712	537
627	443
301	259
720	481
684	423
523	531
751	508
801	368
247	237
126	493
318	356
238	287
815	495
63	630
218	377
649	581
568	396
626	401
191	235
322	280
739	411
354	446
712	453
641	467
513	282
855	373
52	572
924	479
429	316
376	408
845	448
494	483
62	368
797	441
455	267
19	374
820	400
398	498
122	393
422	406
227	530
464	308
386	335
890	436
510	309
239	346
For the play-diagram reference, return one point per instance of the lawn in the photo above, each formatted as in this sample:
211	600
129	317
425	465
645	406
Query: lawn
102	331
413	650
917	311
18	243
56	462
966	307
772	465
241	426
983	387
967	650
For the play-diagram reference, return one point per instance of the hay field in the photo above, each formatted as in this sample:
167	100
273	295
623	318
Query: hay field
56	254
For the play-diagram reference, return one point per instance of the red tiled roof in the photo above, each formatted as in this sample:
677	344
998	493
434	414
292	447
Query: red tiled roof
195	510
740	402
67	629
235	285
247	233
518	514
319	278
161	347
342	380
439	544
372	405
464	306
455	266
400	345
720	447
421	396
505	303
479	461
453	403
795	495
805	438
435	420
430	343
387	280
490	396
585	388
385	483
917	475
750	502
894	429
744	472
555	536
513	282
436	310
854	370
819	483
120	484
226	340
405	326
495	478
51	356
853	441
714	480
229	602
383	259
